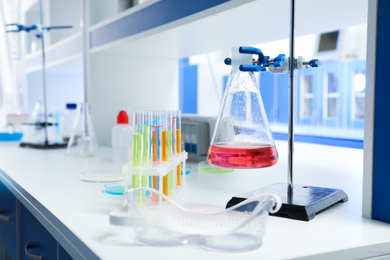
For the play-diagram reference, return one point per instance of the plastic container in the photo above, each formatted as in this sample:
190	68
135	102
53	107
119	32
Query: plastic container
69	119
122	134
239	228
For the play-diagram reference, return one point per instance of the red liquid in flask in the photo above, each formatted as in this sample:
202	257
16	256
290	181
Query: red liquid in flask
242	156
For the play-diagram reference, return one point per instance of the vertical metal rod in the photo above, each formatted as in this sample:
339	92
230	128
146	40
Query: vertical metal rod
43	73
86	64
291	105
86	56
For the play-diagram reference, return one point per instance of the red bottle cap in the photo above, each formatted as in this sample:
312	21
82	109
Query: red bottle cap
122	118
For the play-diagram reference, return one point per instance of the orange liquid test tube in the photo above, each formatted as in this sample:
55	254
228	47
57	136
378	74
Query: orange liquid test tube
154	158
164	153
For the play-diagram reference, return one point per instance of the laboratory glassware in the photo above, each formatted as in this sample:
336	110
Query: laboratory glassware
147	180
205	167
178	145
138	146
299	202
156	144
102	176
242	138
169	128
41	131
83	141
239	228
43	124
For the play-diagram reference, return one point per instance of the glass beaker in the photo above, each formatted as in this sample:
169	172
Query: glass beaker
242	138
82	141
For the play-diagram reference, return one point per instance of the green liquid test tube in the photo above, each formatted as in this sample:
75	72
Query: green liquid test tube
138	140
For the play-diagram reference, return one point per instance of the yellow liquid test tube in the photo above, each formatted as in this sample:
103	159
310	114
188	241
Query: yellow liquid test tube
164	155
154	158
178	147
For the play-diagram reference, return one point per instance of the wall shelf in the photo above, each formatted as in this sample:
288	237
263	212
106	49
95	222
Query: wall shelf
56	54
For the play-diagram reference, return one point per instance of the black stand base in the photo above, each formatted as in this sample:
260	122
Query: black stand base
304	202
43	146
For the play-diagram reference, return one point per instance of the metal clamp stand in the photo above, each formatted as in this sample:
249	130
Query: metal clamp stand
299	202
40	29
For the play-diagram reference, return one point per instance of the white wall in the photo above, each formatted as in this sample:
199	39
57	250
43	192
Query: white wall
211	69
121	81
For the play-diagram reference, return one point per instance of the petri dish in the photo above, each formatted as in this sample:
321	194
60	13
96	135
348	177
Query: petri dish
114	188
204	166
102	176
188	169
10	137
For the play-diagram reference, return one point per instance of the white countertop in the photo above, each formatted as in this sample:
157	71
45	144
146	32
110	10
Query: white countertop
48	183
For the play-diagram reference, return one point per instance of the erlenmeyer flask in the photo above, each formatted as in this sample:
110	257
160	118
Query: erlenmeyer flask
82	141
242	138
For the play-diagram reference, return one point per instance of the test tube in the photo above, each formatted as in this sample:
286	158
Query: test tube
146	132
174	150
170	151
164	148
138	143
178	145
146	151
156	150
156	137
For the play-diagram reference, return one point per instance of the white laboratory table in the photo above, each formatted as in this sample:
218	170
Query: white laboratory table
76	213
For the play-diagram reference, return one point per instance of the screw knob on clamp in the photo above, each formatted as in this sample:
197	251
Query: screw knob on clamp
314	63
279	60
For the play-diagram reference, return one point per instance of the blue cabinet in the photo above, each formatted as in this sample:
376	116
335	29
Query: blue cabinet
8	224
35	239
62	254
22	236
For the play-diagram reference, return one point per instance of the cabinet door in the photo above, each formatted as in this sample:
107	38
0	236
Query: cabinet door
8	222
35	239
62	254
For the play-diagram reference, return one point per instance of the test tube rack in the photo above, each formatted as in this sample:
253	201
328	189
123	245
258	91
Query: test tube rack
159	170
